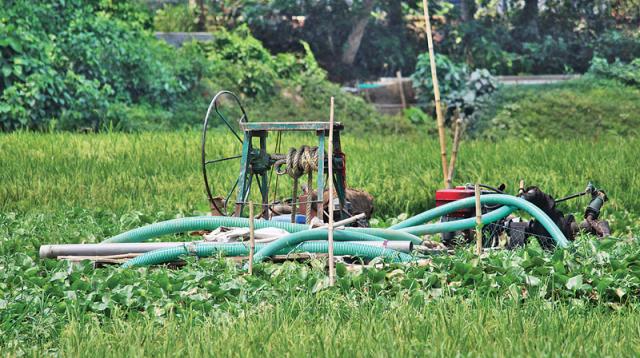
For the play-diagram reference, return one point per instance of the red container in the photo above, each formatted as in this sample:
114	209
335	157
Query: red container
446	196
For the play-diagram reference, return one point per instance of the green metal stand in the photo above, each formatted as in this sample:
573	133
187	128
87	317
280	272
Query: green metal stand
257	163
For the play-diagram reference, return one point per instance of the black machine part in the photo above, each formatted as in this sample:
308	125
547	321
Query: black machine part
591	223
598	197
519	231
567	224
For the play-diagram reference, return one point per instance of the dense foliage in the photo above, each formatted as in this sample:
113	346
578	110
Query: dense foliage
463	90
76	65
628	73
89	65
505	37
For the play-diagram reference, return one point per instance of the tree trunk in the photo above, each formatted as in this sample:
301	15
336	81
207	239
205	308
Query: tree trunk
529	19
357	31
202	13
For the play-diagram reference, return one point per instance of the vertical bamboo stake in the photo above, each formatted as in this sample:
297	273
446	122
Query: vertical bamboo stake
454	153
403	100
478	221
252	242
436	94
330	170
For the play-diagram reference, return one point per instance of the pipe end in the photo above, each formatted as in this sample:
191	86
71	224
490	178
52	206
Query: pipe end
45	252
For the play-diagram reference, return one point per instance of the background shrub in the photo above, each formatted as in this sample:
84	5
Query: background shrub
463	90
77	65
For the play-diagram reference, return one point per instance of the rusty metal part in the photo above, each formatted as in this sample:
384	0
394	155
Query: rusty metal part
600	228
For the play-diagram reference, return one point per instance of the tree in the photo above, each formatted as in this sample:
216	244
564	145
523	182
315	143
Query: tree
528	21
201	9
467	9
350	49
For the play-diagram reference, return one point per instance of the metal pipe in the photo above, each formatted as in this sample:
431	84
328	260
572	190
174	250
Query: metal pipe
53	251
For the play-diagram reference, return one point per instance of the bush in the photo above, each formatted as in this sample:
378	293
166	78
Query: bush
462	89
66	63
628	73
81	67
175	18
560	47
615	44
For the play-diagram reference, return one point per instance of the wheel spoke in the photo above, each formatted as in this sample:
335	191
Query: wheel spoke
222	159
226	200
227	123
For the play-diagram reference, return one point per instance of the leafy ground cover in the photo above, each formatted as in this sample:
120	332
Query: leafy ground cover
66	188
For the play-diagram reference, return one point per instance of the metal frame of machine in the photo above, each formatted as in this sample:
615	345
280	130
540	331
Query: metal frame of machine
256	162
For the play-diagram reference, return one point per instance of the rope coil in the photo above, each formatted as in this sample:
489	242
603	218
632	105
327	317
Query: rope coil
297	162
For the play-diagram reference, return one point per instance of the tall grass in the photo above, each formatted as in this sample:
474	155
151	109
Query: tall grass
306	327
151	172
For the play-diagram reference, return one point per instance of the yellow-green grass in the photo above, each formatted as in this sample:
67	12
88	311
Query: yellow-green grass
152	172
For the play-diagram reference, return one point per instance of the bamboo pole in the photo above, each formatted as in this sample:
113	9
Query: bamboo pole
478	221
436	94
252	238
454	153
330	170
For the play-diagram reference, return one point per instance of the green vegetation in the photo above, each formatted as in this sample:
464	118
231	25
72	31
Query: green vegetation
584	108
464	90
355	40
154	173
89	66
627	73
299	326
599	104
76	65
70	188
95	66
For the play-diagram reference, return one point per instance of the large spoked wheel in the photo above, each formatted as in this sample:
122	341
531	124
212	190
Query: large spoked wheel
221	205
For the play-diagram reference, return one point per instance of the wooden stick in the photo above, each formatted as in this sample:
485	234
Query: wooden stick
341	223
403	100
478	221
330	170
252	238
454	153
436	94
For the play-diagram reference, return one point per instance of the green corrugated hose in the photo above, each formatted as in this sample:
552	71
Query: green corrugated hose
176	226
405	230
241	249
391	235
458	225
302	236
489	199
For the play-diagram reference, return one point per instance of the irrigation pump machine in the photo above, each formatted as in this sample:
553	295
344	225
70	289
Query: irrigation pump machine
258	168
294	225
